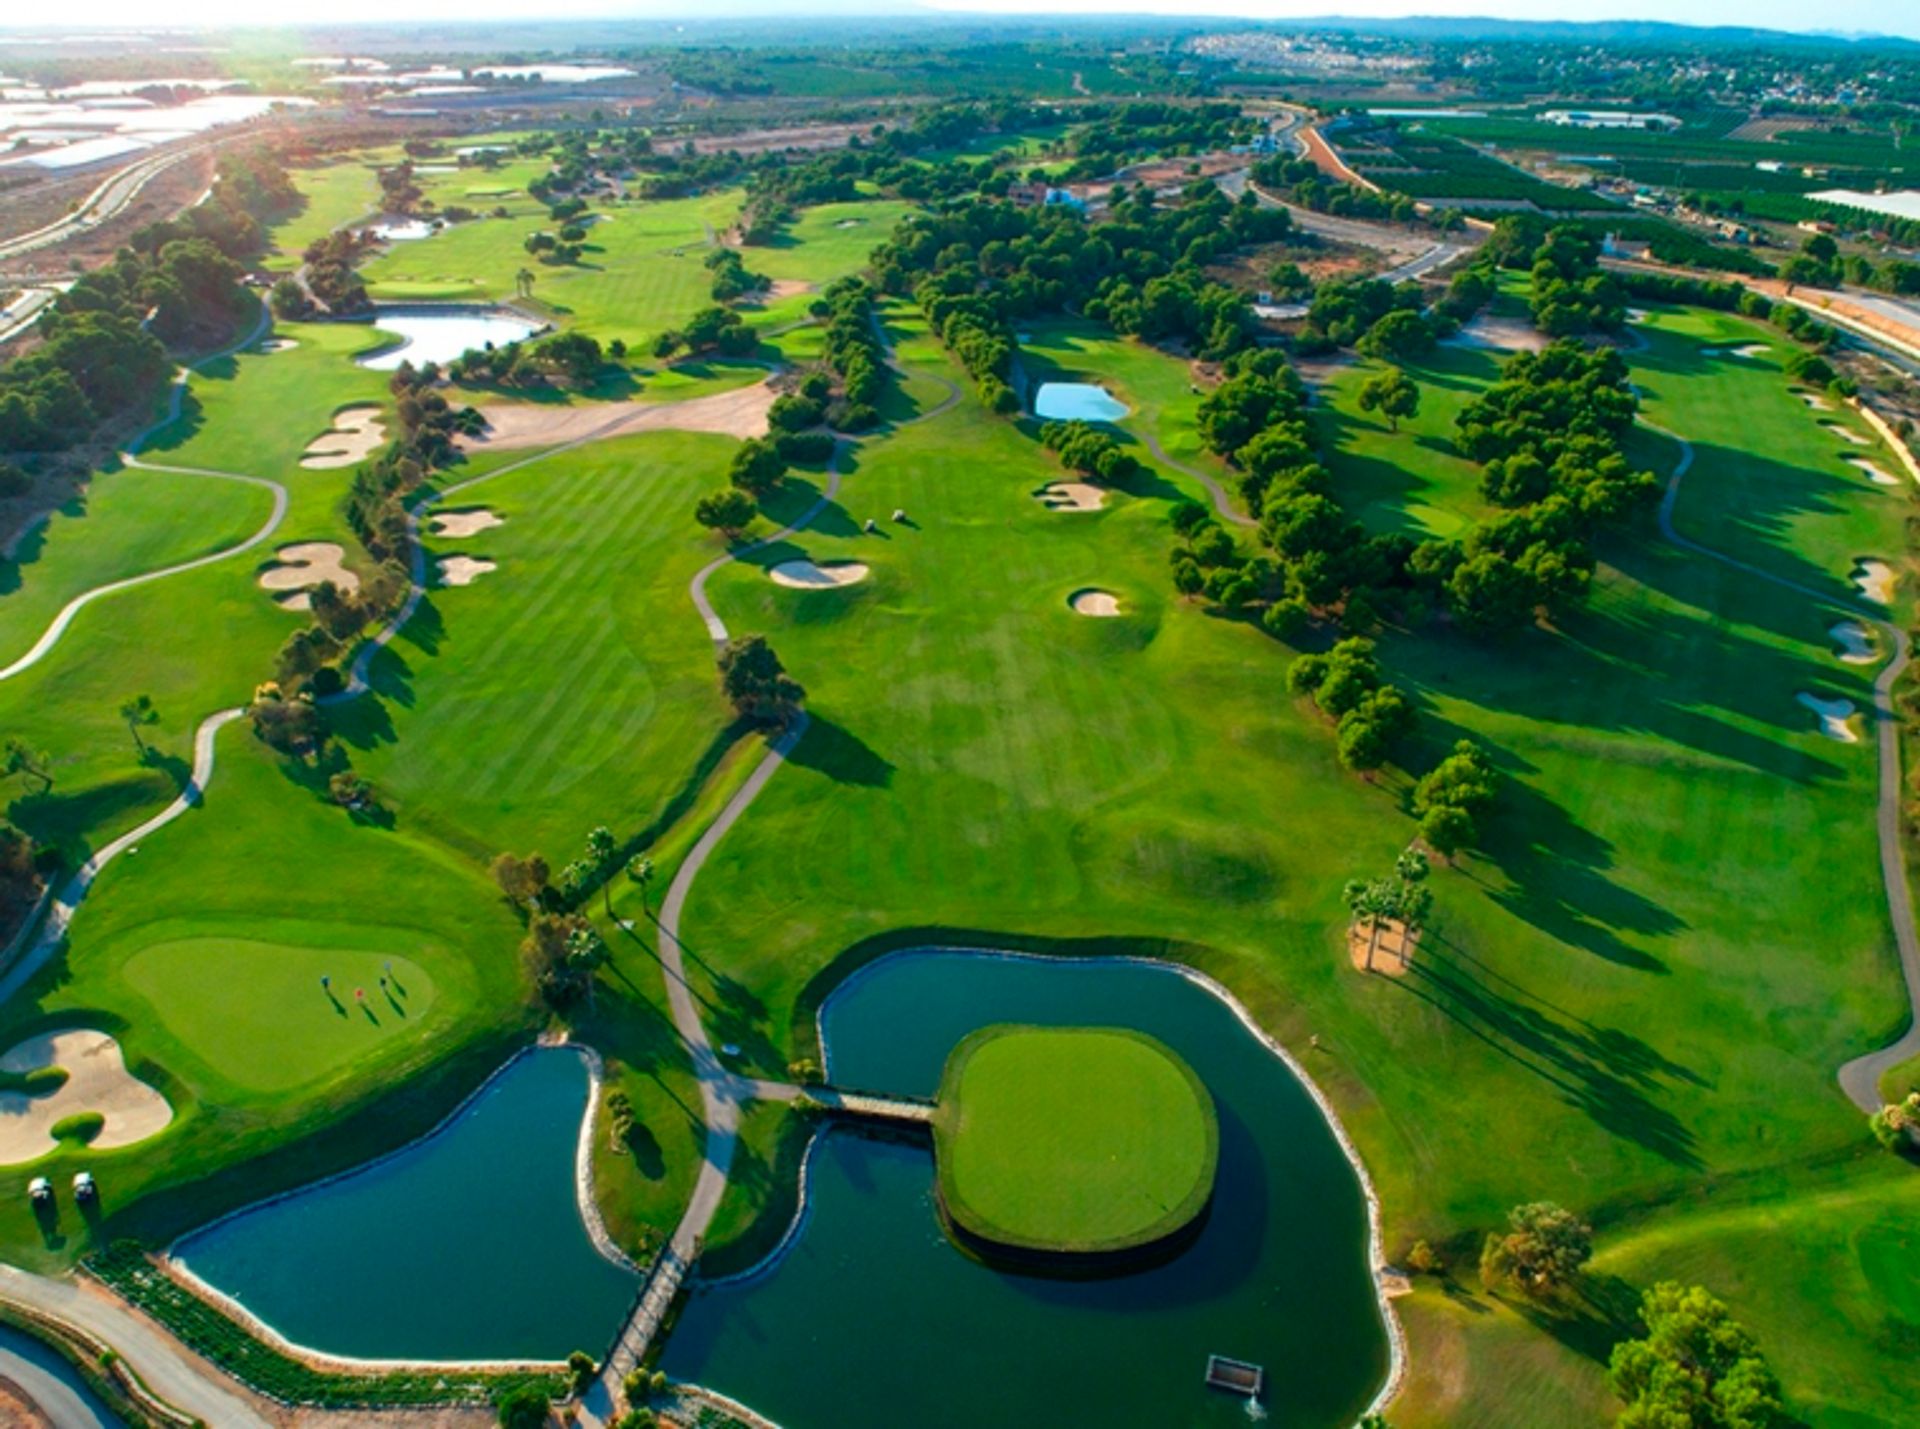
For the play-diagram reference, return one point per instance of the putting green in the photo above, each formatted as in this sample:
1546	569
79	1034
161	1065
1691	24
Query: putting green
1072	1140
257	1014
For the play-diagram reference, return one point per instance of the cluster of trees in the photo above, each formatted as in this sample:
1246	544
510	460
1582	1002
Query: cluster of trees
562	248
1896	1125
731	280
1151	126
720	330
1345	314
1401	897
1696	1365
1451	799
1302	183
330	276
1571	293
759	466
561	952
250	190
569	358
1543	1249
21	876
398	191
1370	715
852	350
757	685
1091	452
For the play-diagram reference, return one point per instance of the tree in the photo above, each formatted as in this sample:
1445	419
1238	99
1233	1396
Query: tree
1696	1366
757	684
1544	1248
1392	393
729	512
136	713
289	300
581	1370
523	1407
23	759
523	283
1897	1123
1399	335
602	849
757	468
640	872
1447	828
523	880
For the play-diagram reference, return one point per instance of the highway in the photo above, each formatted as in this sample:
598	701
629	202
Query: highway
111	196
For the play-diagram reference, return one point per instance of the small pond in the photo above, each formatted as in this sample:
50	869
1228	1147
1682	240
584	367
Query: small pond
1077	402
1279	1275
402	230
442	333
467	1245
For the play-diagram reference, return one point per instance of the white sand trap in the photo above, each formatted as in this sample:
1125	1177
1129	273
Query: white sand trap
1846	434
304	565
1879	475
278	344
1638	315
1071	496
1500	334
1835	717
355	435
740	413
1094	602
1875	580
805	575
1749	349
97	1080
1819	404
461	524
850	223
1855	646
463	570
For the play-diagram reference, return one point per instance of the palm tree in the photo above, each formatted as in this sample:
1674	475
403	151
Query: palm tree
1370	902
23	758
523	283
601	849
136	712
640	870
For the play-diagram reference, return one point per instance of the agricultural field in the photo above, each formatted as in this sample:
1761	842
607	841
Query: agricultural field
1445	171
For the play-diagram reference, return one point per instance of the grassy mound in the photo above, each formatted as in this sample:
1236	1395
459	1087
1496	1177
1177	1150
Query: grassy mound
1072	1140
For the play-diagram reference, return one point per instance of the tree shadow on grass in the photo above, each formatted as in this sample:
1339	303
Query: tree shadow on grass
1608	1075
834	750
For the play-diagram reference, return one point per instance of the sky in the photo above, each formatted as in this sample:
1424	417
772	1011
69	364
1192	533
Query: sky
1897	17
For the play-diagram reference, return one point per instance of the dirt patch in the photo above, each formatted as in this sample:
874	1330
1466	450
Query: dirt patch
787	288
1392	948
97	1081
510	426
1071	496
1500	334
805	575
1836	717
1874	579
461	524
1100	604
355	435
463	570
304	565
18	1409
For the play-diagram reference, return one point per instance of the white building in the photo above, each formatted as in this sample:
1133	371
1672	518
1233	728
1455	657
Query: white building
1607	119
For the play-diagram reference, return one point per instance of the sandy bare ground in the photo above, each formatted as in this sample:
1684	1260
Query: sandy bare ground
1746	349
1875	580
1099	603
302	566
1500	334
1819	404
355	435
1876	473
461	524
1836	717
511	426
278	344
1071	496
97	1080
18	1410
1393	950
1855	647
462	570
1845	434
805	575
787	288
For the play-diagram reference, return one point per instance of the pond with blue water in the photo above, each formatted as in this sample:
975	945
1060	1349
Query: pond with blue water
1077	402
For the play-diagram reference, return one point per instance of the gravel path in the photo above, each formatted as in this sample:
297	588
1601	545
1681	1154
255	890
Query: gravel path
1859	1078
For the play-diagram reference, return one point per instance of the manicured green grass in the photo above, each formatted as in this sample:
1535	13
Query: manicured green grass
1076	1140
827	241
337	194
258	1014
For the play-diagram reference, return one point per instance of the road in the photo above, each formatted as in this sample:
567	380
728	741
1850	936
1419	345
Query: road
46	1378
1421	254
112	195
1860	1078
24	311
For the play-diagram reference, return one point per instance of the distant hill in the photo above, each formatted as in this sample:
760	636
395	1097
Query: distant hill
1615	32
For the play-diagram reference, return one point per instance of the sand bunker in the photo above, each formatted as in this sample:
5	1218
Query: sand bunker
461	524
1846	434
1746	349
1835	717
97	1081
278	344
1879	475
741	413
1071	496
355	435
1501	334
1638	315
805	575
302	566
463	570
1856	648
1819	404
1094	602
1875	580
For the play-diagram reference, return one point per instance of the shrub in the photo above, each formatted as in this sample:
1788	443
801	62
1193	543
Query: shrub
804	448
524	1407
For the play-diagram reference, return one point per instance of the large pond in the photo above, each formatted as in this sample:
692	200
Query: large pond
872	1318
468	1245
1077	402
440	334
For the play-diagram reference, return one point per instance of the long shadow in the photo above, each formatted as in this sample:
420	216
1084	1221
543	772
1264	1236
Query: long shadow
835	751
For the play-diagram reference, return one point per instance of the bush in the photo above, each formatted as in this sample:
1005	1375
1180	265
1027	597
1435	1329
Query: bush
525	1407
804	448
